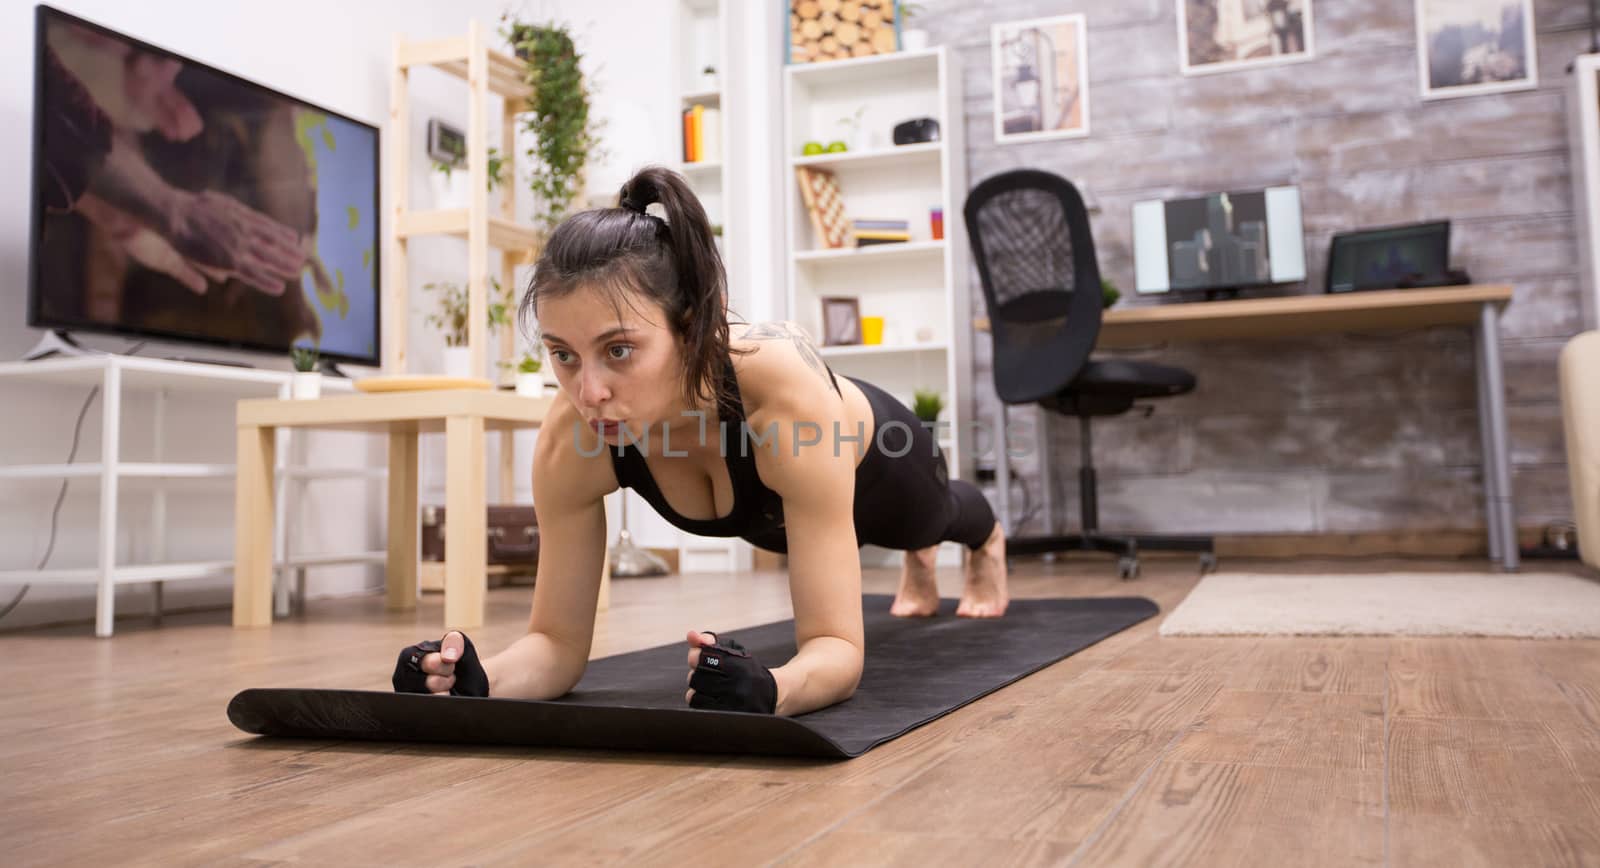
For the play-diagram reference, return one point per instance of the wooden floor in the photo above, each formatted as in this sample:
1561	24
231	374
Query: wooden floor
1136	751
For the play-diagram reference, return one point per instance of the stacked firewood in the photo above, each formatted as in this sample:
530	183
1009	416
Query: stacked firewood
834	29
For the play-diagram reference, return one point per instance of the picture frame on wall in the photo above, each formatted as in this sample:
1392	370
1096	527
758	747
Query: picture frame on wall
1225	35
1583	125
1041	78
841	321
1468	47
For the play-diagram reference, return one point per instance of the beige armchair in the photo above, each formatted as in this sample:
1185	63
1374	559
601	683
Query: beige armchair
1580	409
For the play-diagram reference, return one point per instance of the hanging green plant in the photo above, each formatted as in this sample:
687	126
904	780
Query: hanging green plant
450	317
564	136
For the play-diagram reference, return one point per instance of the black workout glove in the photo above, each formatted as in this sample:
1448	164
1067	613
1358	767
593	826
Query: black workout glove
471	680
729	679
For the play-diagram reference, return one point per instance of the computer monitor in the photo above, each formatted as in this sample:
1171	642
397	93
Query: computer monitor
1219	242
1394	257
177	201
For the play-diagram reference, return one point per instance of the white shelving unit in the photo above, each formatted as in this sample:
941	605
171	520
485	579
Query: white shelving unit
119	378
704	38
918	287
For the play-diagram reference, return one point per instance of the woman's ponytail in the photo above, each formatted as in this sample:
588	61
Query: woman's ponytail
700	317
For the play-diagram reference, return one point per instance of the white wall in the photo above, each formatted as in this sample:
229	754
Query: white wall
335	54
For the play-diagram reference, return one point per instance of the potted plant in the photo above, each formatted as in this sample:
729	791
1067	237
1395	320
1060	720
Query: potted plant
564	134
306	381
1109	293
854	137
911	38
530	382
449	180
450	318
927	405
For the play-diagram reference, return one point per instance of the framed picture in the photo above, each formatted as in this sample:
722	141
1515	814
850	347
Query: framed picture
1041	79
841	321
446	144
821	30
1583	119
1467	47
1223	35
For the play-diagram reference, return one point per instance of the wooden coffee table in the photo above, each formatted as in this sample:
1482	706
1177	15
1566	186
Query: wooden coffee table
463	416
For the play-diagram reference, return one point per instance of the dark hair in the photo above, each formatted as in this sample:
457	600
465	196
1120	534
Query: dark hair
674	262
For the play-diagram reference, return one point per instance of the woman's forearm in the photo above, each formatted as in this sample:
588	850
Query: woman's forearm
533	667
824	672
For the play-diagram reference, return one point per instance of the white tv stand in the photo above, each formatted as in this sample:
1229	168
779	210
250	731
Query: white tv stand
118	376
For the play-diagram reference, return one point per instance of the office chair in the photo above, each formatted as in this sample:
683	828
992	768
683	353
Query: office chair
1041	285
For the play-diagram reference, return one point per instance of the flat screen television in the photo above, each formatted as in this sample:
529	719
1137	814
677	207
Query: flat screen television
1219	242
173	200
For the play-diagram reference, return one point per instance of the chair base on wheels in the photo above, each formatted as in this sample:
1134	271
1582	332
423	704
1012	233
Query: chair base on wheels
1125	546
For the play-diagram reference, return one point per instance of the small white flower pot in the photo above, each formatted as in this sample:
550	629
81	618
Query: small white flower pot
305	385
458	361
913	40
530	385
449	192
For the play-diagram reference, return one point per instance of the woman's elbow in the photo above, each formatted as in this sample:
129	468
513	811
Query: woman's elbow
850	674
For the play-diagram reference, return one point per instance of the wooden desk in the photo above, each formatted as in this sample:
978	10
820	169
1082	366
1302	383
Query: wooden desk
462	415
1291	316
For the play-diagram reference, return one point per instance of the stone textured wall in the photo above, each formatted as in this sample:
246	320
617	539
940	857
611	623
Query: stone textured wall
1346	433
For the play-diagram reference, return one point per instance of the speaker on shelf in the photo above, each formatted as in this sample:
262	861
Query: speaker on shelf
915	131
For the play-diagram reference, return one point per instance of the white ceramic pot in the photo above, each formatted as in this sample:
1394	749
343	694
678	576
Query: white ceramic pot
305	385
530	385
858	140
458	361
913	40
448	192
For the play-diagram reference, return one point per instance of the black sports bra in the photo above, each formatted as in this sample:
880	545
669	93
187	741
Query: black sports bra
756	510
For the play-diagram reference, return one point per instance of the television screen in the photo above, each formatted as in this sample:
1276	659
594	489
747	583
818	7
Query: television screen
177	201
1219	241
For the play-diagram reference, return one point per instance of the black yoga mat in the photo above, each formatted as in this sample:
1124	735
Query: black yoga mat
917	670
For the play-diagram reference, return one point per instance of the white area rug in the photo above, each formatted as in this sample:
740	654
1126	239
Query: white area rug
1528	604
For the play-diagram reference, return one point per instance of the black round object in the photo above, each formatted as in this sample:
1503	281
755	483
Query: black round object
916	130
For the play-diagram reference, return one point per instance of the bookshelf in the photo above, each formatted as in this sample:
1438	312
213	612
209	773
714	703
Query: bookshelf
495	82
492	77
703	40
702	37
919	286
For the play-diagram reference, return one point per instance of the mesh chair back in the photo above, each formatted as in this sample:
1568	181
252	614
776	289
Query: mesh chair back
1041	284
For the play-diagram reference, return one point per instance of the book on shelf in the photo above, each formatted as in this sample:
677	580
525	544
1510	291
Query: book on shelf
882	225
702	134
868	232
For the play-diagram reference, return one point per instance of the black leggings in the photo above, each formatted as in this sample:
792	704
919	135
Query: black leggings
905	498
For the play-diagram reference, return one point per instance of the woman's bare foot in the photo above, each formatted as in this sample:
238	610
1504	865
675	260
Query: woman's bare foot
919	588
985	593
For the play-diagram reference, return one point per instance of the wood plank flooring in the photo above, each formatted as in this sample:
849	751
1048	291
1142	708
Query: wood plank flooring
1137	751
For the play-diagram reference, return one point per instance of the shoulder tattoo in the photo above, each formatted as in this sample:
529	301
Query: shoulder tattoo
778	331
